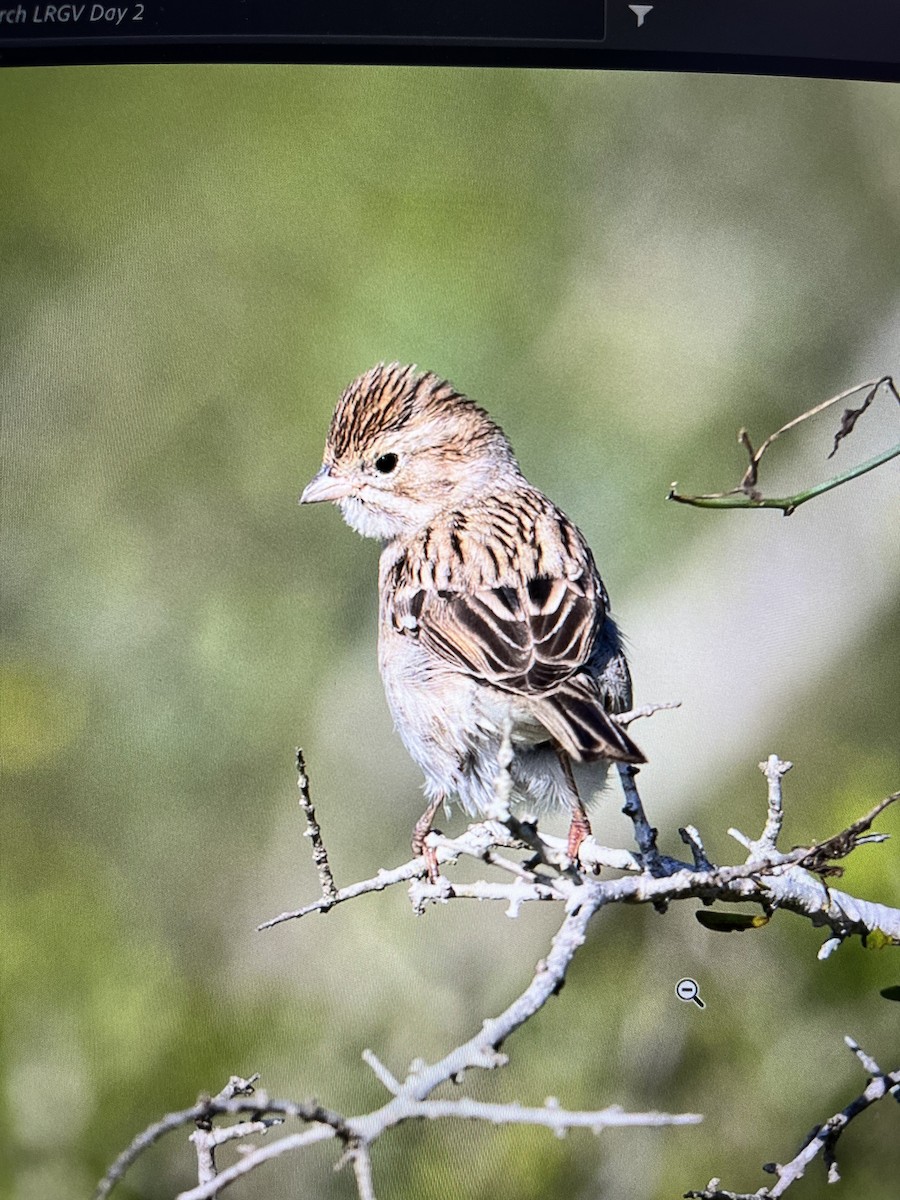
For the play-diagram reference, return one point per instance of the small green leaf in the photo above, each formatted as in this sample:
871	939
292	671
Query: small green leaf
877	940
891	993
727	922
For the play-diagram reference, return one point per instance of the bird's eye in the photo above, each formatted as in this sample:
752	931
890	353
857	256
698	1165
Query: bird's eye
385	463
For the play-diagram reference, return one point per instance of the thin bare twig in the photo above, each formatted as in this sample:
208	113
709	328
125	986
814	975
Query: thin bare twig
410	1099
285	1145
362	1170
314	833
822	1140
238	1096
646	710
768	877
847	840
747	495
774	770
691	838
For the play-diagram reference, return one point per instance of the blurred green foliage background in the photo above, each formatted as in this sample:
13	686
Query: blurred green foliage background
622	268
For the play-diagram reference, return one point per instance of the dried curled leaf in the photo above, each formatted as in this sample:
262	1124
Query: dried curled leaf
849	418
844	842
730	922
747	493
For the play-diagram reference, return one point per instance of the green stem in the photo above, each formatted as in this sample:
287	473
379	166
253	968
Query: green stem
787	504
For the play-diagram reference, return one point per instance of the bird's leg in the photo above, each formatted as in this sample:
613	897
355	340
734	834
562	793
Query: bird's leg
579	826
420	833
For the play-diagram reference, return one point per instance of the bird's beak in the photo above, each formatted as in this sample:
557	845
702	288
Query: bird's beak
324	486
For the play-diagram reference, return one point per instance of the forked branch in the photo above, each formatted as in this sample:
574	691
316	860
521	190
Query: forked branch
769	878
822	1140
748	495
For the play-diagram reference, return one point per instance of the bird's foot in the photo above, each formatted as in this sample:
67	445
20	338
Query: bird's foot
431	863
420	846
579	829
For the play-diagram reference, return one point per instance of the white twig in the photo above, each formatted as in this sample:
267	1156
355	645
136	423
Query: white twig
229	1133
694	842
591	854
868	1063
250	1162
384	879
828	948
551	1116
381	1071
206	1140
503	785
206	1162
769	878
362	1170
646	710
774	770
515	894
822	1140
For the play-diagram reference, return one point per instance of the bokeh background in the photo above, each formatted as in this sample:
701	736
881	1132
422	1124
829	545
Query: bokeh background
624	269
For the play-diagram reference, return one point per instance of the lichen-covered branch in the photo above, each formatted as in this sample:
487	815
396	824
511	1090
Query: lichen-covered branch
531	866
410	1099
793	880
822	1140
237	1097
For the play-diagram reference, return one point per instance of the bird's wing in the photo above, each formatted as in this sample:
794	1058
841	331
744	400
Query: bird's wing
526	639
531	635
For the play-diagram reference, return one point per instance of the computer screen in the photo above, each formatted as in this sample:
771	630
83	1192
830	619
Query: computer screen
622	269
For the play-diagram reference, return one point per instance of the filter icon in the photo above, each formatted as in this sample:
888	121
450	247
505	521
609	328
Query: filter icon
640	11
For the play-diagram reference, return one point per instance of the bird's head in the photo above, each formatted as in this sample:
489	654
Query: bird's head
403	448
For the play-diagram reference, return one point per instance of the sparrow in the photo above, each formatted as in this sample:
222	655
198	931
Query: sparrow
493	619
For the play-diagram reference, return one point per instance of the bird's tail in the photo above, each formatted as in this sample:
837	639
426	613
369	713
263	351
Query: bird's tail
575	717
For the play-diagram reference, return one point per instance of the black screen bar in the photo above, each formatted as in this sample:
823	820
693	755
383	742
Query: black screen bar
299	20
864	31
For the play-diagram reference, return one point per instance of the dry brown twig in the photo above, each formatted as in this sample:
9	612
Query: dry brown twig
313	832
747	494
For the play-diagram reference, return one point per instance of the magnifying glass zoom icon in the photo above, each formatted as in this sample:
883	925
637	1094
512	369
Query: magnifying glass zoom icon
687	990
